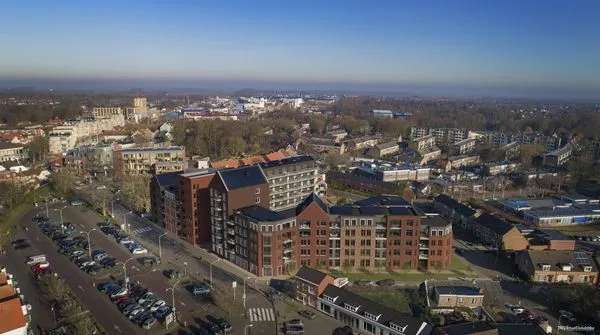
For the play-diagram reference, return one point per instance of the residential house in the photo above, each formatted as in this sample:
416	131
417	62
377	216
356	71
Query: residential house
458	296
384	149
367	316
459	214
310	284
456	162
552	266
498	233
463	147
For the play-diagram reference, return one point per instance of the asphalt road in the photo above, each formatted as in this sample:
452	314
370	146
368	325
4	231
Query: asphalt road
13	260
82	285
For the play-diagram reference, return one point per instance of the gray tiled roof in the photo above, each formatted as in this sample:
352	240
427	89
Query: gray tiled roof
388	315
311	275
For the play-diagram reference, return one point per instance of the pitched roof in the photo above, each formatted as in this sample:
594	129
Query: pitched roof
383	200
242	177
313	197
311	275
287	161
7	291
494	224
458	290
225	164
11	314
167	179
453	204
386	315
556	258
277	155
261	214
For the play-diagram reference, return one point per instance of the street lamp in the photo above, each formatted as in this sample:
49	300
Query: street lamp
88	239
125	273
246	328
210	270
244	294
159	246
172	289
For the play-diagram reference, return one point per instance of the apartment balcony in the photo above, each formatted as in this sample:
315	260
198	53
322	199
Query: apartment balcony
230	232
287	242
304	227
379	226
230	223
424	238
423	246
335	226
231	242
423	256
287	251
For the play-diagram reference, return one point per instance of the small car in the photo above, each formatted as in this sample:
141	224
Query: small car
200	289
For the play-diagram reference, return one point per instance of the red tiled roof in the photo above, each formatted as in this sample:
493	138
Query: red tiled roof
7	291
11	314
275	156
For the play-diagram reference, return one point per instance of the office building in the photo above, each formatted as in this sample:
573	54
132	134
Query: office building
147	160
10	152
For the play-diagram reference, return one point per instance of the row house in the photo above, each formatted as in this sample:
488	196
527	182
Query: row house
498	233
552	266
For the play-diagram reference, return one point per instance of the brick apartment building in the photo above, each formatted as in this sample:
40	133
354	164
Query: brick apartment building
381	233
231	190
231	210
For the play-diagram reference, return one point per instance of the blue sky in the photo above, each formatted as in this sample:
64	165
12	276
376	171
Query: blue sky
538	45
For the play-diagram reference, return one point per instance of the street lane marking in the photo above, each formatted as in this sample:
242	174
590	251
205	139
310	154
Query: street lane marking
261	314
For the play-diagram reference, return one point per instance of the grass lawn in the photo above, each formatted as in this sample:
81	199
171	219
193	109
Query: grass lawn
392	298
10	220
458	268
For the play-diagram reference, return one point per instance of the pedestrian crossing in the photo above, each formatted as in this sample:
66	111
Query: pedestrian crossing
142	230
261	314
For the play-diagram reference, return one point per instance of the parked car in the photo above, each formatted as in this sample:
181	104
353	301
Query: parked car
294	322
139	251
224	325
200	289
149	323
117	293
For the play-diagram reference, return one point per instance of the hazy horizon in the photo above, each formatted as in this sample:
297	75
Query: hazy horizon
463	48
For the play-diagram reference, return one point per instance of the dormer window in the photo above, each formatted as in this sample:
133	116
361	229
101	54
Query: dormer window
587	268
372	317
545	267
397	327
330	299
566	267
351	307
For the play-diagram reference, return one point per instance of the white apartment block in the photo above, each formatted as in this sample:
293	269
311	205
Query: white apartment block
66	136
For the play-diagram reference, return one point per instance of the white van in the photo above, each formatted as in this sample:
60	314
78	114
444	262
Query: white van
32	260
